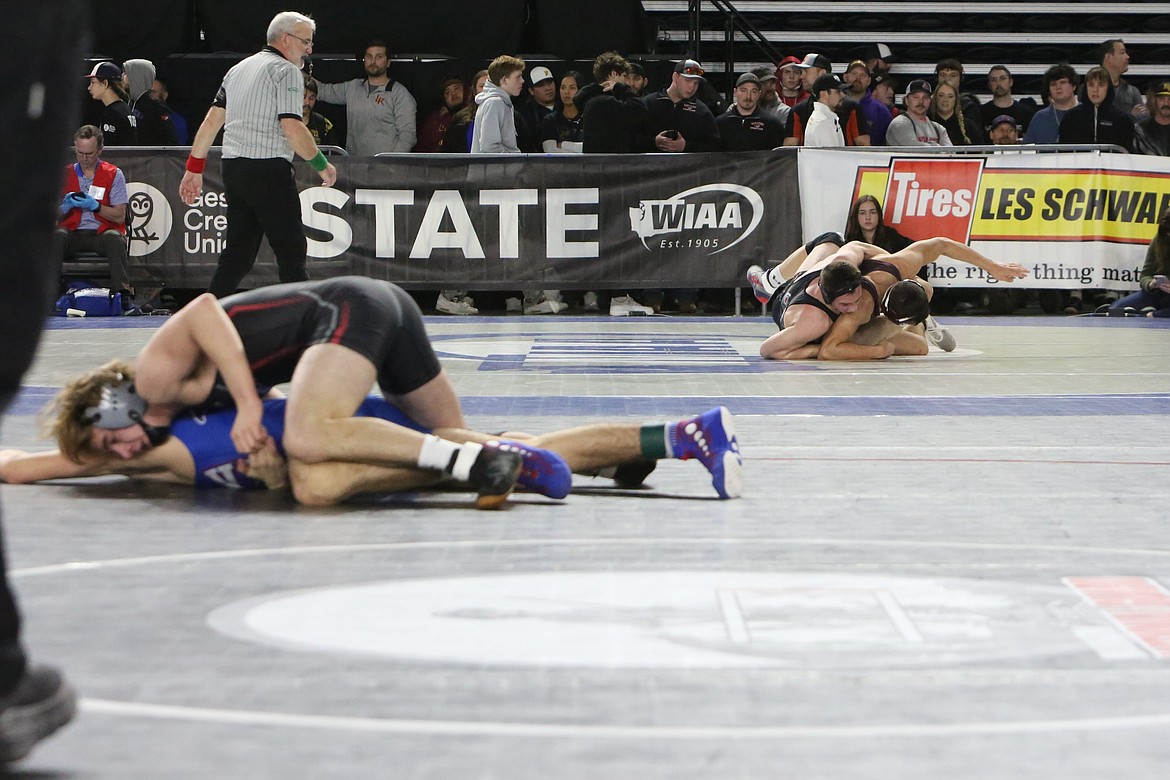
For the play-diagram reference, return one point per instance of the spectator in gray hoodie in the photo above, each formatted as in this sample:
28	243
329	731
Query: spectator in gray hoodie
495	124
155	126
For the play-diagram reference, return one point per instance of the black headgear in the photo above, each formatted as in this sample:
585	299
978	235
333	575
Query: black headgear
905	303
842	278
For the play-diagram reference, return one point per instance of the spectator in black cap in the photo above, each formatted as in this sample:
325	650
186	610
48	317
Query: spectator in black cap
914	127
677	121
769	101
1152	135
432	131
877	112
117	123
638	79
1004	131
853	124
746	126
824	127
879	57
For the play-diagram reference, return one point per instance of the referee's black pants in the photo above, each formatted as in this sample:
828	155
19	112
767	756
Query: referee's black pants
262	202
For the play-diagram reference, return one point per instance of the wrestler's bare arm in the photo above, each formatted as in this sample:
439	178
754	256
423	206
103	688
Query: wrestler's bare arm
792	343
178	364
920	253
838	343
18	467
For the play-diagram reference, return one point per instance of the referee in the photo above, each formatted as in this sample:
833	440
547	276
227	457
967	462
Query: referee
259	108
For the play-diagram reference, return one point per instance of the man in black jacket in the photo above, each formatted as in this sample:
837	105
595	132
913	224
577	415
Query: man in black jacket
678	122
1095	120
745	126
612	116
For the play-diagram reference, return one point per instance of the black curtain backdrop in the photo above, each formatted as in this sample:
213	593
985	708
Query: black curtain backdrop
150	29
455	29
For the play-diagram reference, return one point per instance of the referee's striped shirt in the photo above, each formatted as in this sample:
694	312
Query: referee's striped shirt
256	93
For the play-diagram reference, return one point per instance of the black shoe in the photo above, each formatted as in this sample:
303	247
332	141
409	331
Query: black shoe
41	703
633	473
494	474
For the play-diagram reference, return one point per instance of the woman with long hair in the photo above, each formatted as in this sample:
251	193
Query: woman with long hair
867	223
1153	297
561	131
946	109
117	124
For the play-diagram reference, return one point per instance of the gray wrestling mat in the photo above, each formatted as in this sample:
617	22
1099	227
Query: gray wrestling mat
954	566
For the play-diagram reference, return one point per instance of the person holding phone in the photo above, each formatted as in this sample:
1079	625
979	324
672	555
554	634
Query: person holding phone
1154	296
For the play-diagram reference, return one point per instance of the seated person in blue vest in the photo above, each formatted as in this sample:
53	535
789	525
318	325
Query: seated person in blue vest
332	340
827	278
200	451
93	210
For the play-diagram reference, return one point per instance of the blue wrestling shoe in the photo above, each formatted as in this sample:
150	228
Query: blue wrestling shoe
542	471
710	437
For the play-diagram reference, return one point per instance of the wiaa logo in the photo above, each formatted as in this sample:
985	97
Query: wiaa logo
149	215
720	215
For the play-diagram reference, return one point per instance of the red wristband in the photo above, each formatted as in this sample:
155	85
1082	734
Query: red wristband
196	164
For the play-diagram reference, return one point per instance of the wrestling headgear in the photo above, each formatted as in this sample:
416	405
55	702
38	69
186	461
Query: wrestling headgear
121	407
905	303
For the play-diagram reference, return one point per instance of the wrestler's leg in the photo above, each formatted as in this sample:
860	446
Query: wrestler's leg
323	484
907	340
328	385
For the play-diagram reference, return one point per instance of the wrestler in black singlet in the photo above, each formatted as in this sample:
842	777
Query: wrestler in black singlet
373	318
795	293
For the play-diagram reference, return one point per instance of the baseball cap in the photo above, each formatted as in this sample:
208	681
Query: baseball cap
919	85
857	64
816	61
764	73
827	81
690	69
747	78
637	69
449	80
879	51
1007	119
105	70
788	62
881	77
1163	88
539	74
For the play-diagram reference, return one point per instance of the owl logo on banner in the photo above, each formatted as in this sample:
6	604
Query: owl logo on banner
932	197
149	216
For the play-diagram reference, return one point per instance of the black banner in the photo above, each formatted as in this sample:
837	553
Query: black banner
498	222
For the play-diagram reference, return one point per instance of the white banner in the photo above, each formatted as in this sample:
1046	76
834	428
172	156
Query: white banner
1075	220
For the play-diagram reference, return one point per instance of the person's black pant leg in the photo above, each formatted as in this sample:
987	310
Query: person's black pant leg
39	105
243	234
279	209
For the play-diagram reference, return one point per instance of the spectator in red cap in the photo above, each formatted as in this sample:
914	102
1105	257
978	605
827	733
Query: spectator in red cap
790	82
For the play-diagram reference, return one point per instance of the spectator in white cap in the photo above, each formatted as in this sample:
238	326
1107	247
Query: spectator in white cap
824	127
913	127
878	56
118	125
542	102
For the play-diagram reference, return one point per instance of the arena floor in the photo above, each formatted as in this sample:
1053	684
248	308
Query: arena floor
953	567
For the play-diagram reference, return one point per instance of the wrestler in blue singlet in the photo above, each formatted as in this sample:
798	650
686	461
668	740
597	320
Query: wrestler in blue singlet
208	437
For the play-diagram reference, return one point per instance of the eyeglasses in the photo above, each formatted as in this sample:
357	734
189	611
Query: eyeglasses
307	41
692	70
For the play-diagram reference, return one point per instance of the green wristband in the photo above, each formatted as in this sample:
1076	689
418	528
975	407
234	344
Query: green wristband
319	162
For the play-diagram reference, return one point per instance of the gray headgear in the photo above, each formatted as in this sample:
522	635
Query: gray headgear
120	407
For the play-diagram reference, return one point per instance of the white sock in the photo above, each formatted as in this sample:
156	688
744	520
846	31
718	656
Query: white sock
449	457
775	278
